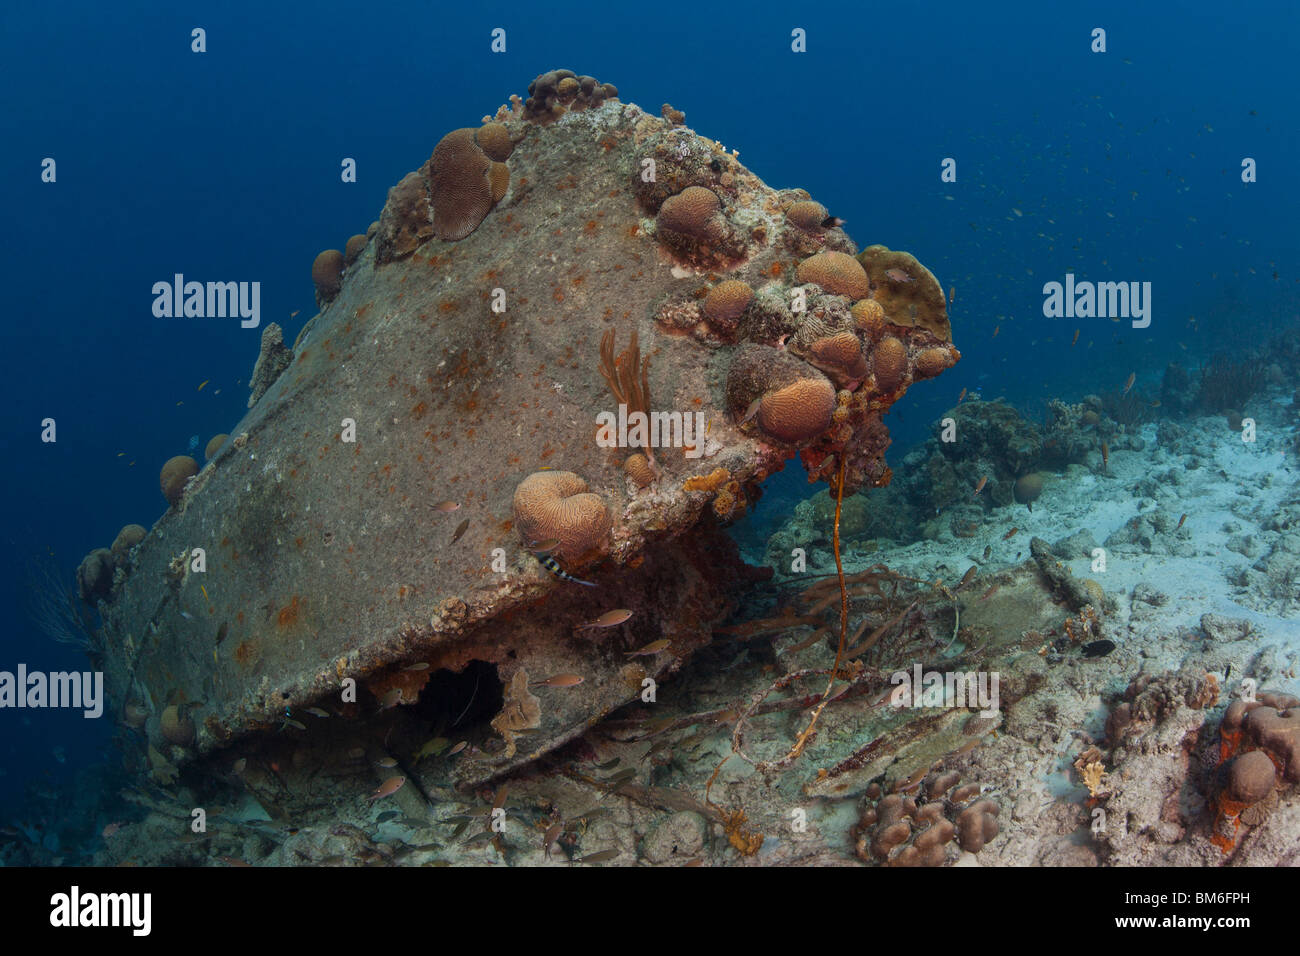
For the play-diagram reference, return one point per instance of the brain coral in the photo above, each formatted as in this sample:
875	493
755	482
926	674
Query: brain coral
407	218
695	212
909	293
890	358
638	468
498	181
175	473
869	316
327	274
836	272
726	301
807	215
840	357
799	411
458	181
557	505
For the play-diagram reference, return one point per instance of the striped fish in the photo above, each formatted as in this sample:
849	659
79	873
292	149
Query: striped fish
550	564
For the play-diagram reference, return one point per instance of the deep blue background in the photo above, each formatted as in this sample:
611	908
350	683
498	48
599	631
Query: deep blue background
225	166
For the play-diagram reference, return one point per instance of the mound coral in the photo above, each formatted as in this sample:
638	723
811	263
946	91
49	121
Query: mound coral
175	727
213	446
836	272
550	96
931	362
126	539
175	473
901	830
1259	744
691	217
1028	488
494	140
407	218
327	274
354	247
557	505
95	576
908	292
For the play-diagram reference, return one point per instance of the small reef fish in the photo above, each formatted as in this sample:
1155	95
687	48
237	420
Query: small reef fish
432	748
545	546
604	856
202	383
1105	456
550	564
980	487
559	680
387	763
294	312
961	396
1010	534
110	830
1098	648
751	411
990	592
832	222
608	619
458	748
1074	340
952	294
417	667
446	506
551	835
391	699
1132	377
295	724
655	647
387	788
318	712
460	530
967	577
996	330
1180	521
898	275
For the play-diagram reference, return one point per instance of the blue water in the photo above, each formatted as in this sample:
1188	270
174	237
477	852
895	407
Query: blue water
1123	166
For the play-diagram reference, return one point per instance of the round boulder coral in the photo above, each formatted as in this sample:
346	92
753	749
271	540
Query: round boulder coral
869	316
890	358
556	505
95	576
126	539
494	140
327	274
214	445
931	362
1251	777
175	727
458	181
406	220
638	468
807	215
175	473
836	272
355	246
1028	488
796	400
726	302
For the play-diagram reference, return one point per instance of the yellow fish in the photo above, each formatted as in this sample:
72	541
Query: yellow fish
201	384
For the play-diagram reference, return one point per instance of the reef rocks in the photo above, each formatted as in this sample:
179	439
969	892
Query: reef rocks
418	482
